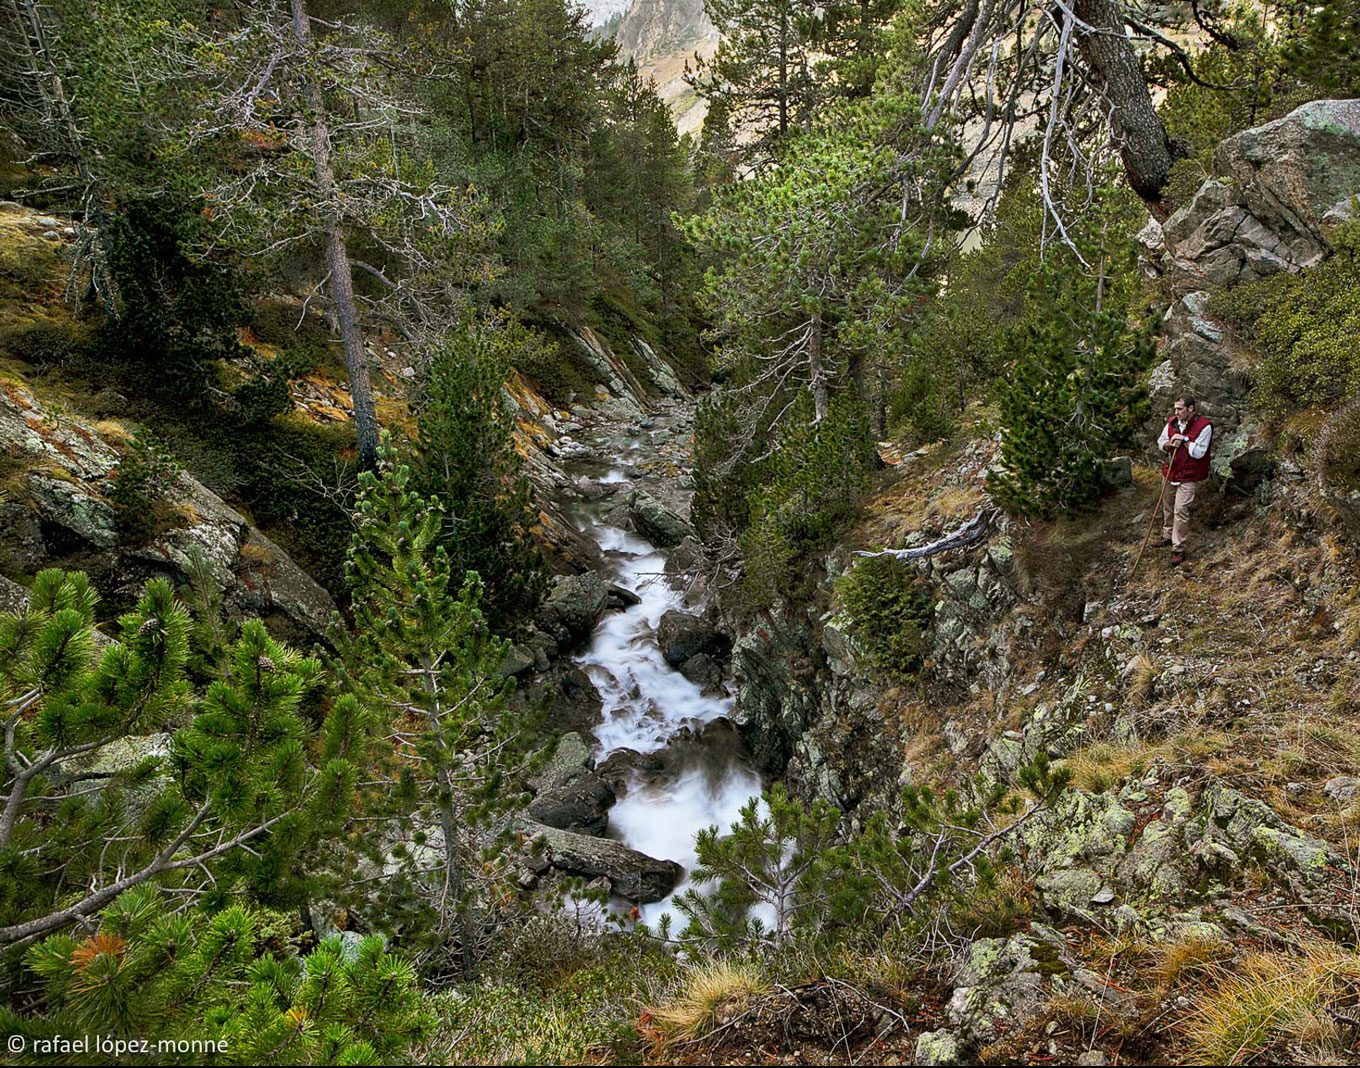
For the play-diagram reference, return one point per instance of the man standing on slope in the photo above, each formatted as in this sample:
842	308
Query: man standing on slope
1187	436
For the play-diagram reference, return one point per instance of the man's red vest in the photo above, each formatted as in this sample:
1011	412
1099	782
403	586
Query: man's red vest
1183	467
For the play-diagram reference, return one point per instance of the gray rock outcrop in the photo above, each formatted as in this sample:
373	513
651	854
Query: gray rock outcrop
632	875
572	609
660	525
62	516
1275	191
570	795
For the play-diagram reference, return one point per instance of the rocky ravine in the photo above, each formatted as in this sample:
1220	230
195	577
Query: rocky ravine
1183	828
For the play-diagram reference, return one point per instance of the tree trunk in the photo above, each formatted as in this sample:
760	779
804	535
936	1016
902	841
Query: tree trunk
341	283
1144	147
816	373
783	91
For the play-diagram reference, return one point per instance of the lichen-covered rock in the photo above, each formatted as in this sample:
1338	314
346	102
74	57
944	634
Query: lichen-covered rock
570	758
1001	985
572	609
1275	191
938	1047
65	518
580	803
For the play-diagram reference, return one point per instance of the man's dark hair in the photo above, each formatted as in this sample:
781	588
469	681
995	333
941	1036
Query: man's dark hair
1189	402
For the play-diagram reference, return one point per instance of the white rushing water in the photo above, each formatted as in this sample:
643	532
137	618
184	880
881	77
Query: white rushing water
647	705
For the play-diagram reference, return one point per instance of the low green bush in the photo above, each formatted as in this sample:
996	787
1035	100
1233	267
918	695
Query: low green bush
139	487
1302	328
888	604
44	344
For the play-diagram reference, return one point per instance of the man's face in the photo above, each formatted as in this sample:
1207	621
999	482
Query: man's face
1184	411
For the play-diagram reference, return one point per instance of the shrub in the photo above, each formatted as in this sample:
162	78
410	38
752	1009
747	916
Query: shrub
174	315
138	489
889	606
1074	396
43	344
1303	329
560	373
466	461
809	488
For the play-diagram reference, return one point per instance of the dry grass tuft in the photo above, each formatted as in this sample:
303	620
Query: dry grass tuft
707	993
1274	1000
1101	766
1189	957
1142	676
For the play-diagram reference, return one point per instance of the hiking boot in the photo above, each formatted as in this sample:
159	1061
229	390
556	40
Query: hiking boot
1164	543
1178	557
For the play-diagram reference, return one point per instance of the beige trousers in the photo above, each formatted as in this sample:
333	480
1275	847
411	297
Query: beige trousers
1176	501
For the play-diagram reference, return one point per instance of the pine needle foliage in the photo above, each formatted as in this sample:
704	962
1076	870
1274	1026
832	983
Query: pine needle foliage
1072	394
465	460
118	774
231	987
785	875
425	659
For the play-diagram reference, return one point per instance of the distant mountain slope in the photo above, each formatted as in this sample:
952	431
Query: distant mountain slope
662	35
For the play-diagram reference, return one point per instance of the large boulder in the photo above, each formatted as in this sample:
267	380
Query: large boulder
1276	189
659	524
683	636
1275	192
579	804
571	796
572	609
632	875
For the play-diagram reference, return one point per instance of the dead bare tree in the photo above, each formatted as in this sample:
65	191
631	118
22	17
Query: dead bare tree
308	123
1066	71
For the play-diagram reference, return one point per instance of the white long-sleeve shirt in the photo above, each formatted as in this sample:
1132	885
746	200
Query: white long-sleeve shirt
1196	448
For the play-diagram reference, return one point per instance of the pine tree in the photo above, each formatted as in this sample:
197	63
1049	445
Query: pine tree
424	655
236	979
96	802
761	77
1073	393
773	858
282	144
465	462
789	860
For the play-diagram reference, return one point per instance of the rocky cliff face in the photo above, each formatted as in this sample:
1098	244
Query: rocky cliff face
1275	192
663	35
654	28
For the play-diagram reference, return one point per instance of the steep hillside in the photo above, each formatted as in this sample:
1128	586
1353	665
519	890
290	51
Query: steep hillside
663	35
1207	714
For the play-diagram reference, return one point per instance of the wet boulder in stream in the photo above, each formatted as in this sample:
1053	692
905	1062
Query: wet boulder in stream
683	636
571	796
659	524
572	609
632	875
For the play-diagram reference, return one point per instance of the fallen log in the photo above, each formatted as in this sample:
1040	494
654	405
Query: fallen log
970	533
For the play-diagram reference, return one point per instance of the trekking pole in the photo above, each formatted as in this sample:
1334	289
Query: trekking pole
1153	518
